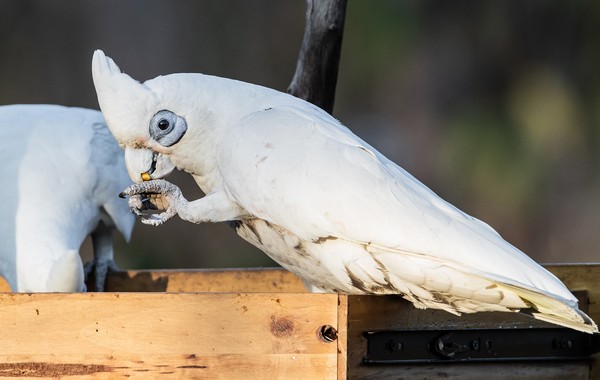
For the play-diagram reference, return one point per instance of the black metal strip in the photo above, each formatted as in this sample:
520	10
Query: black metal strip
428	346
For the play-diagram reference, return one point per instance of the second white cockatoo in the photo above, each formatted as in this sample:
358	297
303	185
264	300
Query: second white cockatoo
61	173
313	196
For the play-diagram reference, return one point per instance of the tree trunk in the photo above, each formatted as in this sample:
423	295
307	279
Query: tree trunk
317	68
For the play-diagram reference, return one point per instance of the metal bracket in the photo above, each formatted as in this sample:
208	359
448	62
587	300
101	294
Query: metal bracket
429	346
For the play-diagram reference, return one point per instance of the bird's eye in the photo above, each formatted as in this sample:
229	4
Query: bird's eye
167	128
163	124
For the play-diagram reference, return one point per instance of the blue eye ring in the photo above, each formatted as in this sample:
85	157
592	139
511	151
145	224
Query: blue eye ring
167	128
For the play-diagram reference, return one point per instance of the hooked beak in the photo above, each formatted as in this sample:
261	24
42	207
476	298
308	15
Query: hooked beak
144	164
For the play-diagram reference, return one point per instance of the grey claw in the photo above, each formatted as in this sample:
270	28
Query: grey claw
158	219
152	220
138	202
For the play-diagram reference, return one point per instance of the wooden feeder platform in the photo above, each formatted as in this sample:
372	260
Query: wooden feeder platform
261	323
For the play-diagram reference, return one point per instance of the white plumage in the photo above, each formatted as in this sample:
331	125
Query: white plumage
61	172
316	198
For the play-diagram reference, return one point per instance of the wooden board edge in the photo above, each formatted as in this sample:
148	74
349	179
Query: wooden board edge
342	353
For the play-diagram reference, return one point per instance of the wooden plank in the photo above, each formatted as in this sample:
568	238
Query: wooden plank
211	280
581	277
380	313
372	313
199	280
578	277
478	371
363	313
191	335
342	342
575	276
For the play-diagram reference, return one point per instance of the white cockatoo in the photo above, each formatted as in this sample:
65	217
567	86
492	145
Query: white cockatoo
61	173
317	199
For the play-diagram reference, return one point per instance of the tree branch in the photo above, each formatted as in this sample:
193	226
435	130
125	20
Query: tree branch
316	73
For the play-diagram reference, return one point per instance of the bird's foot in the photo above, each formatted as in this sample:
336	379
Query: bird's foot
153	195
99	269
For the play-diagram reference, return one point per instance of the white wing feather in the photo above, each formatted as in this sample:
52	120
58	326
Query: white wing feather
336	184
315	178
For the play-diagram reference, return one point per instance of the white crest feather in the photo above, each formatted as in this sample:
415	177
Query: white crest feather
119	97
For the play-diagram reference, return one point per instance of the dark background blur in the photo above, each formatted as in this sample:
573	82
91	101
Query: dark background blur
494	105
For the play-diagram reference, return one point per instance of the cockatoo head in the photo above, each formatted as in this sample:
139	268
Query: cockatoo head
144	122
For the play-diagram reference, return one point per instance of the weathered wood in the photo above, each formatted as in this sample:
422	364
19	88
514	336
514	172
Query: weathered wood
372	313
578	277
204	280
232	335
316	73
225	335
342	342
581	277
387	313
478	371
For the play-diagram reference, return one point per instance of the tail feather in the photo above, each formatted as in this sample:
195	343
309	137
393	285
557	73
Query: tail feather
550	309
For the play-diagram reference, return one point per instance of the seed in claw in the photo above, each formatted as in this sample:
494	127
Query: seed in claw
156	202
145	176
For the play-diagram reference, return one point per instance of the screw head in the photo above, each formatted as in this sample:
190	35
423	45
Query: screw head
327	333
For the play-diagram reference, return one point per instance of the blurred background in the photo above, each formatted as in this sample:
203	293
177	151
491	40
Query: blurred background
493	105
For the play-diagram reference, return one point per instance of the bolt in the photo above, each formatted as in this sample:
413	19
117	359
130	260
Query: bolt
328	333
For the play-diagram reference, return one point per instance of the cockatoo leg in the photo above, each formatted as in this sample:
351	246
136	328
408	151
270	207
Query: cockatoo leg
103	263
162	195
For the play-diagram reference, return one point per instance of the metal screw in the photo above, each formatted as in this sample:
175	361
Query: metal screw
328	333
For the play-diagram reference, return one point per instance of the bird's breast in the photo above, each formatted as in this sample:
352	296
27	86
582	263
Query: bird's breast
290	251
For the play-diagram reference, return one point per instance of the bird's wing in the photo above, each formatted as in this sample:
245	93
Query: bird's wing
107	165
70	153
296	167
40	145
